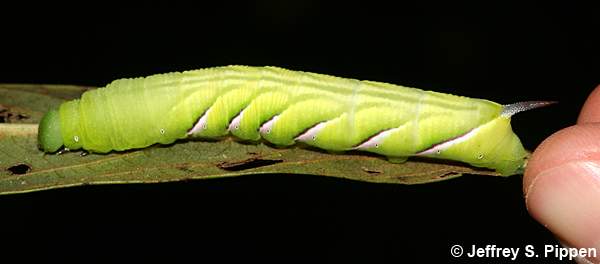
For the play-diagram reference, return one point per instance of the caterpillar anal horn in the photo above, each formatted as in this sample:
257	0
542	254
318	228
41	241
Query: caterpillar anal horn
511	109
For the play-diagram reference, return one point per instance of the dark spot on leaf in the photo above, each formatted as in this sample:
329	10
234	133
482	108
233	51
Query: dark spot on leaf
370	171
3	113
7	116
184	168
448	174
19	169
247	164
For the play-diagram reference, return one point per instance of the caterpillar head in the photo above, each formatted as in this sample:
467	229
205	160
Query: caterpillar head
49	133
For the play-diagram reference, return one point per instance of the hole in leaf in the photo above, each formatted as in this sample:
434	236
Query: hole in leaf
247	164
19	169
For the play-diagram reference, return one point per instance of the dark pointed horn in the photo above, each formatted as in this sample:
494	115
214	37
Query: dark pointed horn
511	109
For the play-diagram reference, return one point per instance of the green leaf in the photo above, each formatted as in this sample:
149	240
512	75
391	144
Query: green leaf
24	168
27	103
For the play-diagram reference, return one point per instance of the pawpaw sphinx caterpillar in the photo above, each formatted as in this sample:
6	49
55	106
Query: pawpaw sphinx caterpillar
285	107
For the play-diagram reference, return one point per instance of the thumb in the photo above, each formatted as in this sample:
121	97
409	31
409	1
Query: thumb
562	181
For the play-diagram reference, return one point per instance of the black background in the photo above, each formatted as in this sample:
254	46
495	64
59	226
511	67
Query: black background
503	52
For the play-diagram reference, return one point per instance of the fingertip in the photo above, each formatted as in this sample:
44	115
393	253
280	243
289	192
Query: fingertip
573	143
590	112
562	184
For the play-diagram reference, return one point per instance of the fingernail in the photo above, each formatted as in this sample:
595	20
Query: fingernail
566	199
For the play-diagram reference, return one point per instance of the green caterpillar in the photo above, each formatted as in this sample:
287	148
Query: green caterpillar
285	107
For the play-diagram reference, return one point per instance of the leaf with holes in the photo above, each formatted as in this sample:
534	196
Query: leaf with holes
24	168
